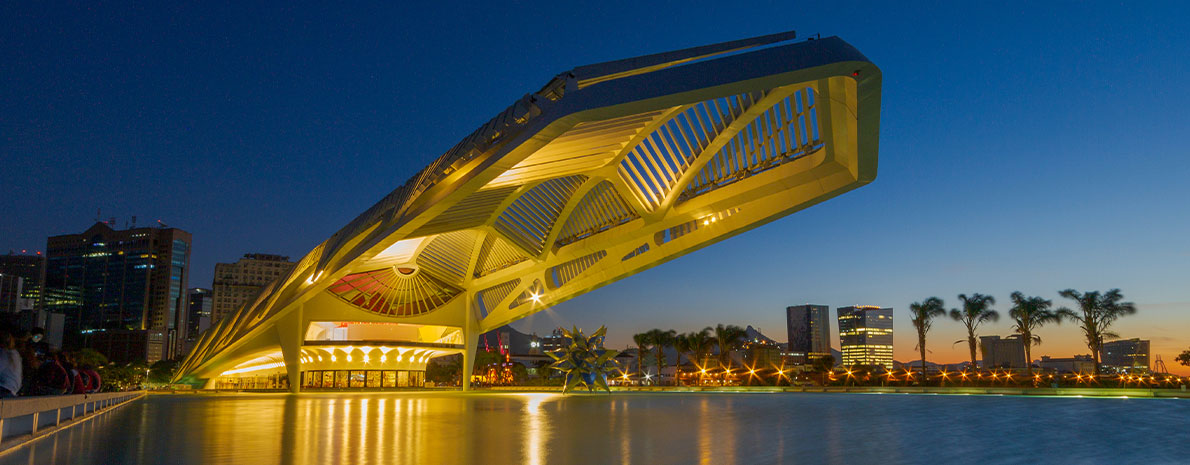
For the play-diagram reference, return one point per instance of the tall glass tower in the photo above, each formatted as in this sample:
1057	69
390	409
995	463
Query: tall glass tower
123	292
866	336
809	332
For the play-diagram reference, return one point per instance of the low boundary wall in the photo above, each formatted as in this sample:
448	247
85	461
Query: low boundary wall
24	419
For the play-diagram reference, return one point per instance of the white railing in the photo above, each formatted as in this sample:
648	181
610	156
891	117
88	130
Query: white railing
23	419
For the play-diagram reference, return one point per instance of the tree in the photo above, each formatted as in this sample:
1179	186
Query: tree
727	337
681	345
823	365
1028	314
976	309
923	313
446	370
660	339
1184	359
1096	314
89	357
642	341
699	344
162	370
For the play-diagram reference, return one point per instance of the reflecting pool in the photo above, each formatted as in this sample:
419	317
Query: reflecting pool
641	428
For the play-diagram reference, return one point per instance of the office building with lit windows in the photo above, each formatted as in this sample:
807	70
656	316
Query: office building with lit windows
1125	356
236	284
606	170
21	277
122	292
198	306
808	327
866	336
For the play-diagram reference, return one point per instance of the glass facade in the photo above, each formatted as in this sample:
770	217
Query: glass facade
113	281
362	379
273	381
866	336
808	328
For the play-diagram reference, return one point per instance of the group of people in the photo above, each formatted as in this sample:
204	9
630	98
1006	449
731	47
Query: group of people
28	367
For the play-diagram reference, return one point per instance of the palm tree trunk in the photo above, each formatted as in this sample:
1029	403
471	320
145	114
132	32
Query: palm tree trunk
677	365
921	342
660	362
971	345
640	360
1028	354
1095	356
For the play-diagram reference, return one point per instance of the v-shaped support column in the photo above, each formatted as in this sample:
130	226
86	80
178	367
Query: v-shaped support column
290	335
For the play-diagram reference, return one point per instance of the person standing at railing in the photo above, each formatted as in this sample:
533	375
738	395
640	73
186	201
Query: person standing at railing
10	366
78	385
52	378
28	346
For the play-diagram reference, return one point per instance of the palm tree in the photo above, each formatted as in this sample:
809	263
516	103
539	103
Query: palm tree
700	343
726	338
922	315
975	311
681	345
641	340
1098	312
660	339
1028	314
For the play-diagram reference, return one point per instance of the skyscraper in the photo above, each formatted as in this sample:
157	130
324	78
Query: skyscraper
809	332
20	281
123	292
237	283
198	317
866	336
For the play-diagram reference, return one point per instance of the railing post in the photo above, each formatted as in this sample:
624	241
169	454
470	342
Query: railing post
35	421
58	416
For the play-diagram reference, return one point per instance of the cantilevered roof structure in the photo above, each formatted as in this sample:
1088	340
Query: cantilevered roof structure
607	170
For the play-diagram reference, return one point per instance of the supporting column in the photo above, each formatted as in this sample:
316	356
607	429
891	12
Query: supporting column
470	341
290	334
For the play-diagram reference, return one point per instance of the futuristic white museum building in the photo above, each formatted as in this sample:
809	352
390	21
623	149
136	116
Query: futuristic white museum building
606	171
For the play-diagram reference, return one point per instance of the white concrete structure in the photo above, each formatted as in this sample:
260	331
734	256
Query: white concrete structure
606	171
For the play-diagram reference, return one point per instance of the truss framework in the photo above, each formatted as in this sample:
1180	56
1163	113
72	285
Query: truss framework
607	170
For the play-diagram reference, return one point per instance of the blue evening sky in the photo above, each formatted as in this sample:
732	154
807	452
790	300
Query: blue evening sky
1024	146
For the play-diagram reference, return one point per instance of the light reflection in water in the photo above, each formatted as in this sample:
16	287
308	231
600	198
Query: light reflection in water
536	427
493	428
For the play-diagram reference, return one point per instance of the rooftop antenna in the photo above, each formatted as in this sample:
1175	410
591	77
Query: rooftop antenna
133	222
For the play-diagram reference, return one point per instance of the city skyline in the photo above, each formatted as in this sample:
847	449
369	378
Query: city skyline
1005	147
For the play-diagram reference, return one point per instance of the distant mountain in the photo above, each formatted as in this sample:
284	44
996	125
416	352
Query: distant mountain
753	334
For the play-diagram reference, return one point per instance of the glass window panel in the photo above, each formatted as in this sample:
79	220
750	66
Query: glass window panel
390	379
328	379
357	379
373	379
341	378
402	378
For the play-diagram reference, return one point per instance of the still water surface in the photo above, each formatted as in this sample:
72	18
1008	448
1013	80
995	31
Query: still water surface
628	428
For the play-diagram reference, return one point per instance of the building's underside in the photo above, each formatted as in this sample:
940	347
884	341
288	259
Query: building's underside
606	171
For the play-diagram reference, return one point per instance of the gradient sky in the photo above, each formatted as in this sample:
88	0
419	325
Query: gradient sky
1030	147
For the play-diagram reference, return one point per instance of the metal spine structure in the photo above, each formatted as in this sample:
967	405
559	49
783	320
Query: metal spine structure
608	170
